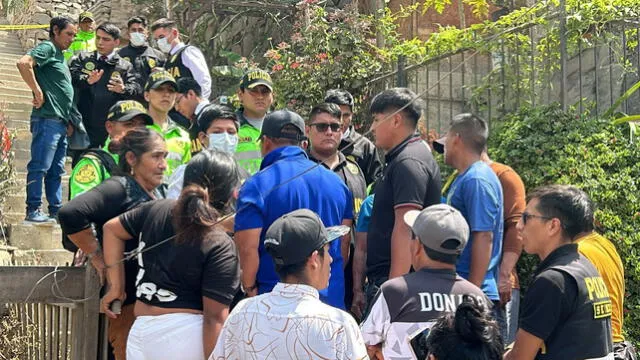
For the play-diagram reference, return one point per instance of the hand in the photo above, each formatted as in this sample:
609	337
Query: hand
358	303
97	261
252	292
108	298
95	76
375	352
38	98
116	85
79	258
504	288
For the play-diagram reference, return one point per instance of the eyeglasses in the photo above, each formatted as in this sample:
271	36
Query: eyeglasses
322	127
526	216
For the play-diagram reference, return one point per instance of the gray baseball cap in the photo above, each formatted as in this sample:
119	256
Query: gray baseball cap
293	237
440	228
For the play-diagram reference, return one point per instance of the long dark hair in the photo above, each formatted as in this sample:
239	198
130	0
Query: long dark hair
209	181
138	141
469	334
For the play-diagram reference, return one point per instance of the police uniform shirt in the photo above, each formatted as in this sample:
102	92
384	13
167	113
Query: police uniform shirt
408	306
569	310
352	176
143	59
358	148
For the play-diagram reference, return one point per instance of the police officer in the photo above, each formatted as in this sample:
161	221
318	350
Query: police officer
189	104
160	92
143	57
96	165
100	79
256	96
182	60
85	37
324	130
566	313
353	145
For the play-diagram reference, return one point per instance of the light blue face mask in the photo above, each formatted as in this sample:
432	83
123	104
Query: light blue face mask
224	142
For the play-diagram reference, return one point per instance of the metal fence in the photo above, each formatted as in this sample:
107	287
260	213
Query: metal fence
55	309
589	70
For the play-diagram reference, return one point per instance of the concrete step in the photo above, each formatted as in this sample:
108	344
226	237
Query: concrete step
14	88
26	235
23	98
8	67
17	125
15	203
12	76
10	47
54	257
9	58
21	106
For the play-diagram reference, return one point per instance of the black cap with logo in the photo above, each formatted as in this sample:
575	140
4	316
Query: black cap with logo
254	78
159	77
128	109
293	237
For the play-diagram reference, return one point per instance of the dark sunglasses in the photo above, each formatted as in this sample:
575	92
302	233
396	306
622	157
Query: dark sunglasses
526	216
322	127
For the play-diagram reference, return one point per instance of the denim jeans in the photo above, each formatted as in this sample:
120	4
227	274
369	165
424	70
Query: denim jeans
498	314
48	150
512	314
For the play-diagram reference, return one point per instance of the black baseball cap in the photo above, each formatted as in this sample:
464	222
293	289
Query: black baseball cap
128	109
293	237
275	121
158	78
438	144
254	78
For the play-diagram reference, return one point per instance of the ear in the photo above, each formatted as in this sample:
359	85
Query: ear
146	96
555	226
307	128
131	159
117	42
203	137
398	120
109	126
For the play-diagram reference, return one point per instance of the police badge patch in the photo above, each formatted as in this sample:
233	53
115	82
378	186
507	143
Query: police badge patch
152	63
90	66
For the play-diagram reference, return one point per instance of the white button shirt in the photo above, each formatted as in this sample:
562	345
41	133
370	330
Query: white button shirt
194	59
289	323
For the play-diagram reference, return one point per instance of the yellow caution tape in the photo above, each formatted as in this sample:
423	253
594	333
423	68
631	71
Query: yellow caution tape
23	27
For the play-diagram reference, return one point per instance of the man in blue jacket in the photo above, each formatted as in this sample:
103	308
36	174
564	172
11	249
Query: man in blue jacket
288	181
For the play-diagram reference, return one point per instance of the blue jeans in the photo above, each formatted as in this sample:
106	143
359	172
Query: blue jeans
512	314
48	150
498	314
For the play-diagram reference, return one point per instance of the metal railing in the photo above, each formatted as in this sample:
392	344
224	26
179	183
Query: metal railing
588	71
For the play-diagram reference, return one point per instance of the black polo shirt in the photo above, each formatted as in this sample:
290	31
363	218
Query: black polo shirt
410	177
351	174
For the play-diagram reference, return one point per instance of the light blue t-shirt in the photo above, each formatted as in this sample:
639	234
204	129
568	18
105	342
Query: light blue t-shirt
477	194
364	217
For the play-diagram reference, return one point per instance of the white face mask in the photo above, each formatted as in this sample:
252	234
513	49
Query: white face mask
224	142
137	38
164	45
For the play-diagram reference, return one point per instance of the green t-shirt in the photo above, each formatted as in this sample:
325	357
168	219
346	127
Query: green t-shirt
54	78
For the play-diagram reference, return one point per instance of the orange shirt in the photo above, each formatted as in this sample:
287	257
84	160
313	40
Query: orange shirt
603	255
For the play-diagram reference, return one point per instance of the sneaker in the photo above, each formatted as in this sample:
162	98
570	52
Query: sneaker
54	218
38	216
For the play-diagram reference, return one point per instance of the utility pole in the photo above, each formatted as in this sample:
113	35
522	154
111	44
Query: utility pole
378	10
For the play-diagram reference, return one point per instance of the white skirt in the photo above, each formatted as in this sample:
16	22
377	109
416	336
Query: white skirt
169	336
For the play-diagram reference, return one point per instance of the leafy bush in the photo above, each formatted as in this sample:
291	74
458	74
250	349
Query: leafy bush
546	145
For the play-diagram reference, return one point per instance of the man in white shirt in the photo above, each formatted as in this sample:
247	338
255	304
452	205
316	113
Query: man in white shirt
182	60
291	322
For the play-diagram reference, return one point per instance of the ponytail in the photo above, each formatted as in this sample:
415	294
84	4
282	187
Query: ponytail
193	216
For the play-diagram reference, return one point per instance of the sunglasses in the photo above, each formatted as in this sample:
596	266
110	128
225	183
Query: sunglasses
322	127
526	216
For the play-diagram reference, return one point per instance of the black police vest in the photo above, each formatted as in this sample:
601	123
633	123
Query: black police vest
176	67
586	332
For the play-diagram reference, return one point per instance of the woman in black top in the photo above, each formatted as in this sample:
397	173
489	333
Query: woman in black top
188	266
142	162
